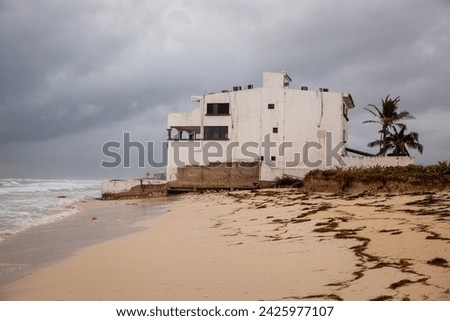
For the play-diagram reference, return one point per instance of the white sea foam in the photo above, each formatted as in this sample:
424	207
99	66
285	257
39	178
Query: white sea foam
28	202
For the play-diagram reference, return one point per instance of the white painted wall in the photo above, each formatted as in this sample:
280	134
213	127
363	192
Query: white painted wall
121	186
385	161
185	119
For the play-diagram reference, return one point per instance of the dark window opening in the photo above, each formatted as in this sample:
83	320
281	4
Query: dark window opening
262	158
271	106
273	158
275	130
215	132
218	109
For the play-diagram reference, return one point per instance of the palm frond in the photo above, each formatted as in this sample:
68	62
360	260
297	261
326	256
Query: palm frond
375	143
415	145
404	115
372	112
371	121
414	136
399	125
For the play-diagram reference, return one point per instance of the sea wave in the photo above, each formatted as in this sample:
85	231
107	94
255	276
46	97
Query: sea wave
28	202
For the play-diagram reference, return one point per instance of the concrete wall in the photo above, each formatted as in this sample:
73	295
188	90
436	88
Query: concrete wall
185	119
219	175
201	153
135	187
365	161
269	173
350	161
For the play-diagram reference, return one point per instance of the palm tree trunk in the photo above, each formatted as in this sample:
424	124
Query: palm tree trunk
384	141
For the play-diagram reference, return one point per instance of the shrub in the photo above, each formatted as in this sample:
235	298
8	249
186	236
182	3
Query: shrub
439	172
288	181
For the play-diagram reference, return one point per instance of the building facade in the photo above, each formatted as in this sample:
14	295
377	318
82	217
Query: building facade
286	130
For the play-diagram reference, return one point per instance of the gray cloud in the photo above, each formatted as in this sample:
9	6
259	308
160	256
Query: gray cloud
85	71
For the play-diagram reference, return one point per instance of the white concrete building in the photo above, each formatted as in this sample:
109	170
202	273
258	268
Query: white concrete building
290	131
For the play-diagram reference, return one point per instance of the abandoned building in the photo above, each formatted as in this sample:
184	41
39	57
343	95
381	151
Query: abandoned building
279	129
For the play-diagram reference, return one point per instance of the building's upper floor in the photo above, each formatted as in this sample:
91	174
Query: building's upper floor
247	113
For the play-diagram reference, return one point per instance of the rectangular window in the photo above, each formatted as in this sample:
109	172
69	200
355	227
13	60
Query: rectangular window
271	106
215	132
273	158
275	130
217	109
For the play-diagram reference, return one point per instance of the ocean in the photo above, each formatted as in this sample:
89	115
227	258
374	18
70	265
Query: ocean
29	202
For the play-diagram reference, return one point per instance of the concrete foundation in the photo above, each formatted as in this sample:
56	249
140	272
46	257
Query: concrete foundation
238	175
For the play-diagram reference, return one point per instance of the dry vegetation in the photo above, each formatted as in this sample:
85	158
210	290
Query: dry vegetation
408	178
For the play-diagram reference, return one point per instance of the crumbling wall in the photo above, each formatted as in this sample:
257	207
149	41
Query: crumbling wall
117	189
236	175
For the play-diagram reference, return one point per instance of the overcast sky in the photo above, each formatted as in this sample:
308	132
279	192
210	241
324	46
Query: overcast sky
76	74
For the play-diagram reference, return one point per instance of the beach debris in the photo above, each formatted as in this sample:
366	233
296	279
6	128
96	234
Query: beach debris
438	262
94	218
382	298
400	283
391	231
436	236
331	297
61	196
429	200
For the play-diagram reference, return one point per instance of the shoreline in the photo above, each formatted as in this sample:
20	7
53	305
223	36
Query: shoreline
278	244
27	203
96	221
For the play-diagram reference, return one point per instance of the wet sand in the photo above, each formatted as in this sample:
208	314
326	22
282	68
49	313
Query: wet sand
96	222
263	245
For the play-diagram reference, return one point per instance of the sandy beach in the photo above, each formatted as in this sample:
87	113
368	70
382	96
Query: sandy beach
279	244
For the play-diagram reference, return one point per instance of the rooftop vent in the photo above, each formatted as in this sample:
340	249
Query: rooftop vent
236	88
249	86
225	91
325	90
304	88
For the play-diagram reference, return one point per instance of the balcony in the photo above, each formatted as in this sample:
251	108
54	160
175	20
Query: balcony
184	123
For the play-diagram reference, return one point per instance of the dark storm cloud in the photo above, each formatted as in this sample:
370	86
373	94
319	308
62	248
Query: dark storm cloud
69	66
80	69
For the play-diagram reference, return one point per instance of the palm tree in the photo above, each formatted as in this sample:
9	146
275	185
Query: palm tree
387	117
398	141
